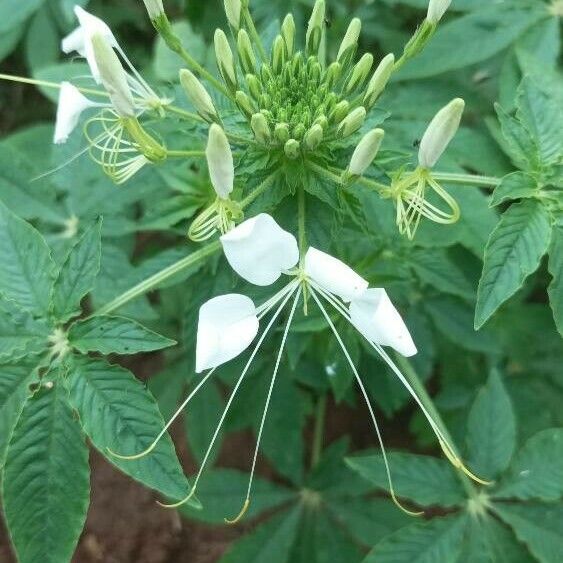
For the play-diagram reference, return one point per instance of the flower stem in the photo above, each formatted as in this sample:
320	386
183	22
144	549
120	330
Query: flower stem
186	153
335	175
301	213
254	34
468	179
318	433
47	84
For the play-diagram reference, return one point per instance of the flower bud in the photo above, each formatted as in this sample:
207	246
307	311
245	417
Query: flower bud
340	111
244	103
359	73
313	137
254	86
349	43
232	10
220	162
379	80
245	52
259	125
436	9
352	122
266	73
154	8
322	121
365	152
298	131
112	75
198	95
315	28
439	133
333	74
288	34
281	132
292	149
278	54
225	61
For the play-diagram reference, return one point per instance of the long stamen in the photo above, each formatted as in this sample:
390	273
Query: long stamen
266	406
368	403
228	405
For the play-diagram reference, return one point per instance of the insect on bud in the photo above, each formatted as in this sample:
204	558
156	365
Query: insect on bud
278	54
281	132
352	122
154	8
315	28
288	34
333	74
439	133
339	112
232	10
244	103
313	137
292	149
225	61
365	152
220	162
254	86
379	80
259	125
198	95
349	44
436	9
245	52
359	73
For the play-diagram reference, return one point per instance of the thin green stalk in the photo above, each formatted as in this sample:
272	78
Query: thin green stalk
186	153
301	214
184	113
47	84
318	433
336	176
259	190
467	179
254	34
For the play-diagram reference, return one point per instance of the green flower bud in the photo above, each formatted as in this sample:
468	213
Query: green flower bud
154	8
281	132
254	86
220	161
339	112
278	54
259	125
322	121
299	131
198	95
297	64
245	52
359	73
379	80
349	43
244	103
315	28
225	61
436	9
315	72
288	34
292	149
352	122
333	74
365	152
233	9
266	73
313	137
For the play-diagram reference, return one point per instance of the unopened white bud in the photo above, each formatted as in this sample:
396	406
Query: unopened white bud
154	8
436	9
225	60
350	42
359	73
313	137
379	80
245	52
198	95
233	9
220	162
292	149
288	33
439	133
315	28
260	128
352	122
365	152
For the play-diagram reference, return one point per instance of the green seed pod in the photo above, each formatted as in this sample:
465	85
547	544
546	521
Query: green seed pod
245	52
198	95
313	137
339	112
359	73
278	55
254	86
288	34
352	122
349	44
281	132
315	28
244	103
259	125
379	80
225	61
292	149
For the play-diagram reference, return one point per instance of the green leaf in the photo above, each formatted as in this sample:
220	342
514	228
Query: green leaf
538	526
516	185
46	485
9	40
555	266
27	271
513	252
423	479
115	335
66	71
77	274
438	540
42	39
491	429
537	470
13	14
271	541
119	414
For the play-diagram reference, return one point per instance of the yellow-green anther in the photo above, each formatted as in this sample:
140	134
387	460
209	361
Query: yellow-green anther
313	137
440	132
292	149
333	74
315	28
244	103
359	73
254	86
349	44
259	125
352	122
281	132
436	9
365	152
154	8
245	52
232	10
379	80
220	162
198	95
288	34
278	54
225	61
340	111
113	77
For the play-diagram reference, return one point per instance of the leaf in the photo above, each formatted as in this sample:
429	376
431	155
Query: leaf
77	274
13	14
538	526
118	413
517	185
438	540
555	266
27	271
9	40
115	335
491	429
73	71
46	485
423	479
271	541
537	470
513	252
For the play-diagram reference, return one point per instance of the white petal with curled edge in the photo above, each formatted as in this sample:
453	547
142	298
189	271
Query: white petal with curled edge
333	275
71	105
227	326
259	250
376	318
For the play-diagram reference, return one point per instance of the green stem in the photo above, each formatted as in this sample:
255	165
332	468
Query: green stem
184	113
301	214
186	153
336	176
254	34
47	84
318	434
468	179
259	190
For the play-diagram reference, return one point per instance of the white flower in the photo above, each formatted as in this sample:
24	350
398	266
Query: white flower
220	161
227	326
436	9
259	250
71	105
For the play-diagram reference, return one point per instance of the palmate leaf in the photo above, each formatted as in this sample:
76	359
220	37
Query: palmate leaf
46	486
513	252
555	266
117	412
515	185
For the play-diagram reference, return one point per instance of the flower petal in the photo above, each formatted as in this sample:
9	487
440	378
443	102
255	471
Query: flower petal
333	275
259	250
71	104
227	326
376	318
